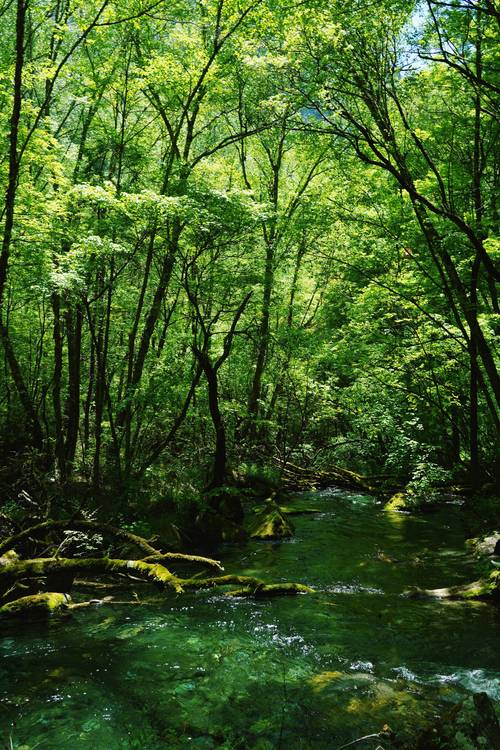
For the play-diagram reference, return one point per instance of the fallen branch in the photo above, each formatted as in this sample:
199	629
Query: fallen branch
103	528
186	558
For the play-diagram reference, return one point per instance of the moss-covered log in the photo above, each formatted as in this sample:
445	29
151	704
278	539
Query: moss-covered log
272	589
483	588
154	573
250	586
206	583
48	580
41	567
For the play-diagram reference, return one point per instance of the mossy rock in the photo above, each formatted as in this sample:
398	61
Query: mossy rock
485	545
470	725
35	606
398	502
270	523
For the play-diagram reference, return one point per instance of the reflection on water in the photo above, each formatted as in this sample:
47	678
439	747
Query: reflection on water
204	671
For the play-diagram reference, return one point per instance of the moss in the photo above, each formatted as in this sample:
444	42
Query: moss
155	572
36	605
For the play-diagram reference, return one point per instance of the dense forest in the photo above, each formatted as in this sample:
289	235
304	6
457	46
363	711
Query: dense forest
233	228
248	247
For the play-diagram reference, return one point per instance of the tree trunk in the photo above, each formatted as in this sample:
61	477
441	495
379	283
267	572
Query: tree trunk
56	386
74	321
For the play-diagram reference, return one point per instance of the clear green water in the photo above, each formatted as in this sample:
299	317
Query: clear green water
205	671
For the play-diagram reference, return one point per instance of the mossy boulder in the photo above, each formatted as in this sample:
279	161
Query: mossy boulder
269	522
35	606
470	725
397	502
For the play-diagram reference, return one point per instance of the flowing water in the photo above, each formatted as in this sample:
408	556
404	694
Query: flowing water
313	671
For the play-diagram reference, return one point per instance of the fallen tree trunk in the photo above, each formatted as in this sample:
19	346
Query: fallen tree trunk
483	588
298	478
17	575
42	567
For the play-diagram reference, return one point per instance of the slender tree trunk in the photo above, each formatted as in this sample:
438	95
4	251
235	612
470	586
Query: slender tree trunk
99	395
74	321
467	309
263	336
10	195
9	211
220	453
56	386
475	469
22	391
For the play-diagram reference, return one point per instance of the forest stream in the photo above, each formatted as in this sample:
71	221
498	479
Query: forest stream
312	671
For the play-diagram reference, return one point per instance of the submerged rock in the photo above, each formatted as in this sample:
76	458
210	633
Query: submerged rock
470	725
